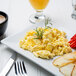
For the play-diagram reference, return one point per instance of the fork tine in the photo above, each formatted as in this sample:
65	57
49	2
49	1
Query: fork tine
21	67
24	67
16	69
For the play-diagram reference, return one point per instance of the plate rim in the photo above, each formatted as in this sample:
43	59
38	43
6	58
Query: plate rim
4	40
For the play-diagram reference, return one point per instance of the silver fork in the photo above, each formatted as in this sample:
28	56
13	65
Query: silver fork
20	69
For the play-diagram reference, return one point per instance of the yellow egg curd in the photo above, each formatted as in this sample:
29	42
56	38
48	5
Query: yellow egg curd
45	42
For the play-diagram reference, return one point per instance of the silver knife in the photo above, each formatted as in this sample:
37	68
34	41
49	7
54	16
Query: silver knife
8	66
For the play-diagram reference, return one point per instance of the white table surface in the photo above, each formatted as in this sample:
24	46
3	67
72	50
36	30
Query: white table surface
19	11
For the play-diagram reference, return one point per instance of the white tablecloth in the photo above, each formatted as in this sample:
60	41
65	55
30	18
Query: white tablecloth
19	11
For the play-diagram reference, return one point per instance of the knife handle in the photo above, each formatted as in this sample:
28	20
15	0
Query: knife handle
7	67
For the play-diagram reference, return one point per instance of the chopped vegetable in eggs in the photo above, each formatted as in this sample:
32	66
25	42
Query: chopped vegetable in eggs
45	42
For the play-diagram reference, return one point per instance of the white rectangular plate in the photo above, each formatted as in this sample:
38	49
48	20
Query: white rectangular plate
13	43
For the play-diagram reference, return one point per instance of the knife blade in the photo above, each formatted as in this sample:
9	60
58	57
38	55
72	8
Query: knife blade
8	66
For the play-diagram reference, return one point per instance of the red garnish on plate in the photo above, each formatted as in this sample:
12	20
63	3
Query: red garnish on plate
73	42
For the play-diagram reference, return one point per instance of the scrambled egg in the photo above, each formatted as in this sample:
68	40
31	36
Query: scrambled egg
45	42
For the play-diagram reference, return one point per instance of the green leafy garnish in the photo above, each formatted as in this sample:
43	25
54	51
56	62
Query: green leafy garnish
47	21
47	27
39	33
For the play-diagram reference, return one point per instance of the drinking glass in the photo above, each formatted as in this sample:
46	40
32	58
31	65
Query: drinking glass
39	6
74	7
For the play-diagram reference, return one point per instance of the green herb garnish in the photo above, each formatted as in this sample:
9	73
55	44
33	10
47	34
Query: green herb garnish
47	27
39	33
47	21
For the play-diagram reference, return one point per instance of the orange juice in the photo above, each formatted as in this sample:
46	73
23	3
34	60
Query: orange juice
39	4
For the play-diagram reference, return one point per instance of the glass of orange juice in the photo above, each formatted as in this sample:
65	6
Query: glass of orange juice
38	5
